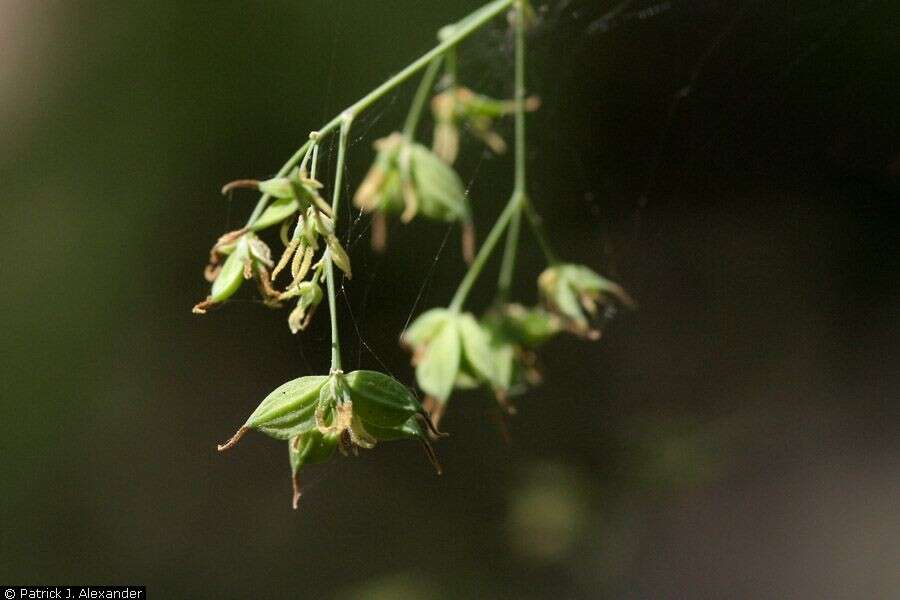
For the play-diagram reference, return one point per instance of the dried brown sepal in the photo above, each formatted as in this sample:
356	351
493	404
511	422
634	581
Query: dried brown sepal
432	456
295	499
201	307
435	410
468	242
240	184
379	232
234	439
410	201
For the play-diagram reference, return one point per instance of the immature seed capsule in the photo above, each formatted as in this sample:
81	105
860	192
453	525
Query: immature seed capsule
574	291
410	179
320	413
453	350
248	257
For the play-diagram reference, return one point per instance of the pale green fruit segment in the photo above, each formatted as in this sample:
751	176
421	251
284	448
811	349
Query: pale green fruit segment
231	276
425	327
439	365
313	447
381	400
289	409
440	191
277	211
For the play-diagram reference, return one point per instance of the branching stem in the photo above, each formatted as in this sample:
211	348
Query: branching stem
415	111
453	36
346	122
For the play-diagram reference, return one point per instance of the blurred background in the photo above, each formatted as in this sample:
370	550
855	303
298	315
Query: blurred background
734	164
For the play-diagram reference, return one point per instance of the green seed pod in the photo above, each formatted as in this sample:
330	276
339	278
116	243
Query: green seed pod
440	192
231	276
287	411
278	211
573	292
278	187
380	400
308	448
311	448
521	326
453	350
438	360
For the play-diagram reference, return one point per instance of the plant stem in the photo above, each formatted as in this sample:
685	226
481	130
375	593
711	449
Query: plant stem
504	282
451	67
512	207
507	267
537	228
455	34
520	97
415	111
329	267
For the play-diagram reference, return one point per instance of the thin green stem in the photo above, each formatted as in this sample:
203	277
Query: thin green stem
484	253
520	97
507	267
537	227
329	267
454	35
451	68
415	111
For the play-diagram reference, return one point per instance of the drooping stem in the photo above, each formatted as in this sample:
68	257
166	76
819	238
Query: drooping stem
484	253
520	97
504	282
507	267
415	111
329	267
451	68
537	228
454	35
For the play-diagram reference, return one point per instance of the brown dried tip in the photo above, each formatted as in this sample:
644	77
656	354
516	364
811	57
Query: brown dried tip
435	410
432	457
295	500
234	439
201	307
240	184
504	402
468	242
433	431
379	232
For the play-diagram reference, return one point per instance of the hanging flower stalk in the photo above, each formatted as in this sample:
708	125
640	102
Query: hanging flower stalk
320	414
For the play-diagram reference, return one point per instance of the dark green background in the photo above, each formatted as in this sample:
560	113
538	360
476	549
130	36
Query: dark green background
734	165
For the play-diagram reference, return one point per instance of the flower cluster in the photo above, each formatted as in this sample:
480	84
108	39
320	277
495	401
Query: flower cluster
241	255
319	414
455	351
